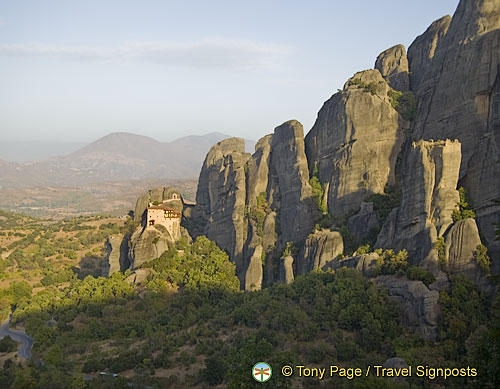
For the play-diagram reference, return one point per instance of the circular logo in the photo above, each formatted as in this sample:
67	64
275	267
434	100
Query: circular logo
262	372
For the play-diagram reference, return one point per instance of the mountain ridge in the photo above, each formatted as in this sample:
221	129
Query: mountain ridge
117	156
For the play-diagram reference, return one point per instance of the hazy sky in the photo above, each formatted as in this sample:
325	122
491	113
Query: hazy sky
77	70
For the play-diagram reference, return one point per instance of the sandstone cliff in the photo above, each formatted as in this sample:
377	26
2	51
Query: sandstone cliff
429	197
454	69
355	142
365	141
221	198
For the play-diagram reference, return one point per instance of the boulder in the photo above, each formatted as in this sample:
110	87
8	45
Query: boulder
419	305
366	264
461	245
319	249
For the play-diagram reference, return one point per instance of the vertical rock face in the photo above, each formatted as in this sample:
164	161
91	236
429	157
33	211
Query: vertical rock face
365	221
454	97
429	197
258	169
457	88
221	196
230	184
148	243
393	65
117	254
355	142
422	50
289	176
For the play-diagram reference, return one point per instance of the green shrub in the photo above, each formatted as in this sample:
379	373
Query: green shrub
258	213
370	87
390	262
464	207
482	258
386	202
317	190
363	249
440	247
7	345
416	273
405	103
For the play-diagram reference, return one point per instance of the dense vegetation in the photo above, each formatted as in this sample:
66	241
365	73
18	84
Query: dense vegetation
464	207
37	253
405	103
188	324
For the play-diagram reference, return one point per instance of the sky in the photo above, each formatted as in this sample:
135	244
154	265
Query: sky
76	70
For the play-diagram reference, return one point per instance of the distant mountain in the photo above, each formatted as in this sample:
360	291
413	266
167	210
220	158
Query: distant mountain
116	157
14	151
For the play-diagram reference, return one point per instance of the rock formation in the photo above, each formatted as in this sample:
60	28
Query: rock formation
365	221
167	195
319	249
117	254
361	144
461	244
148	243
457	88
243	201
290	191
393	65
221	198
420	306
429	197
286	270
355	142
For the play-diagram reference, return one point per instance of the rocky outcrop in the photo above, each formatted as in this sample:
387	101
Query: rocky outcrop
148	243
290	191
366	264
461	244
364	222
429	197
221	198
419	305
319	249
286	270
243	200
117	254
393	65
254	271
355	142
169	195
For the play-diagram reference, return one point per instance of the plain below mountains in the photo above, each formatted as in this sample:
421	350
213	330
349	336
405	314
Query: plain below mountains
116	157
